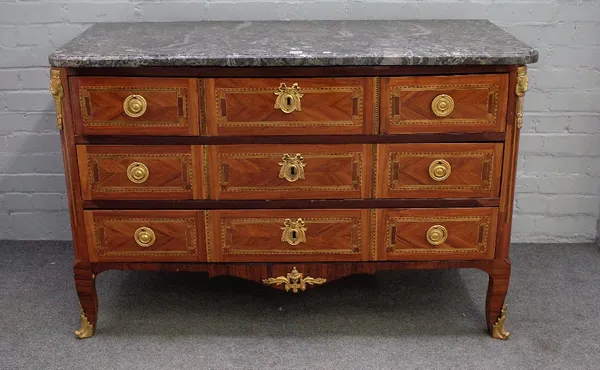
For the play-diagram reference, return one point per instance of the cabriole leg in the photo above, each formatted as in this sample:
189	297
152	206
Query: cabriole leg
88	300
495	308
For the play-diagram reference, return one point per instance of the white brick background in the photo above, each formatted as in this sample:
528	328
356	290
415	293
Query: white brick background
558	183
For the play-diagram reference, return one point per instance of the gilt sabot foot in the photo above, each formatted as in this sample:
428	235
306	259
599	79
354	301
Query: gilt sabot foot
498	331
87	329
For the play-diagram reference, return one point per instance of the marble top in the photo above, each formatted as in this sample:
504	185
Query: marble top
293	43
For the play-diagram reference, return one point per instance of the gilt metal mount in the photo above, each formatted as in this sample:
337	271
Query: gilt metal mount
294	281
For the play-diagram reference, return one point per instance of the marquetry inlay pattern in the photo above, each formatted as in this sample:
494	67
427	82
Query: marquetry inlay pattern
467	92
329	100
174	236
175	172
113	96
348	179
478	244
348	228
484	157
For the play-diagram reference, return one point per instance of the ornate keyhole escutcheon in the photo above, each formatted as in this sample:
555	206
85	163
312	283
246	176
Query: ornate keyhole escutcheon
288	98
294	232
292	167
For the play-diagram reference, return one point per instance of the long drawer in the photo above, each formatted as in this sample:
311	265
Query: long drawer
292	235
256	172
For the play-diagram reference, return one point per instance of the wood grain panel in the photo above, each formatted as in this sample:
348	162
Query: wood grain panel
256	235
479	103
402	233
253	172
246	106
403	170
178	235
174	172
172	106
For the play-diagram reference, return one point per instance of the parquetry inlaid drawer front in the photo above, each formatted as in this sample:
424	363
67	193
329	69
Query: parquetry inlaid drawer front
290	171
140	172
289	235
145	236
289	106
439	170
136	106
447	234
470	103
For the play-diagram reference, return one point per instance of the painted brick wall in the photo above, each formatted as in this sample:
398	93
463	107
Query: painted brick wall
559	173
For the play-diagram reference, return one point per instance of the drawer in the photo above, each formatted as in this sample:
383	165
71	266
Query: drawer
288	235
140	172
290	106
135	106
471	103
436	234
290	171
439	170
155	235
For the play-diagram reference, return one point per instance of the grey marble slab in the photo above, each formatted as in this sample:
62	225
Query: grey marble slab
294	43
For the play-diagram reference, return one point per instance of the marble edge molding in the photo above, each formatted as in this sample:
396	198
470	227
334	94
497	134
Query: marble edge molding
237	61
226	44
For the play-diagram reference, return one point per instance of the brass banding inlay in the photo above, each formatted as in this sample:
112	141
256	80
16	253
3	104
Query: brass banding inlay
144	237
437	235
135	105
442	105
138	172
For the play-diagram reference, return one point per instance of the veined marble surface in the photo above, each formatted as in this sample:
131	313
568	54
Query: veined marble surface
293	43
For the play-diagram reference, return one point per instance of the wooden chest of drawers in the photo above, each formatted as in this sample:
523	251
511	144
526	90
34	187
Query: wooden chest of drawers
290	176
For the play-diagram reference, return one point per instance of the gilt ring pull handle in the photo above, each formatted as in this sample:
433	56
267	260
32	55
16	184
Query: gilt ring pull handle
440	170
437	235
135	105
144	237
288	98
292	167
294	232
442	105
137	172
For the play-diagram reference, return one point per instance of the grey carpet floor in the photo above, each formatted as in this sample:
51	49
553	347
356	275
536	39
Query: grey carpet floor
393	320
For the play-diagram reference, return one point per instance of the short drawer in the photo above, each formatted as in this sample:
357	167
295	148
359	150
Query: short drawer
289	106
439	170
290	171
436	234
140	172
135	106
157	235
289	235
471	103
